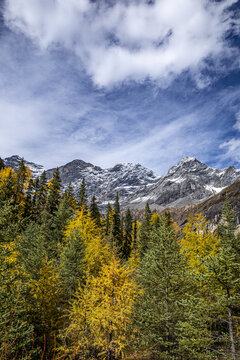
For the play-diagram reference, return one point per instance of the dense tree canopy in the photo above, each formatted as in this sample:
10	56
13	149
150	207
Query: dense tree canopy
77	283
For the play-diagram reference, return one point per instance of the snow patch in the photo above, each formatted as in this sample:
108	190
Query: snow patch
214	189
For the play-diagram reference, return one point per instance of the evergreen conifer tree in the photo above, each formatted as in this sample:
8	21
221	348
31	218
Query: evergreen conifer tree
28	206
160	311
2	165
81	197
127	240
73	264
108	219
94	211
223	274
145	230
117	235
54	192
135	231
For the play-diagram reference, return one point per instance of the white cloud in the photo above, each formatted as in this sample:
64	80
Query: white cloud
232	148
129	40
237	124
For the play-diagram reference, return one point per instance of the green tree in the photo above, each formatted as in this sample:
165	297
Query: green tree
81	197
223	274
54	192
145	230
73	263
127	239
2	165
161	323
108	219
117	235
94	211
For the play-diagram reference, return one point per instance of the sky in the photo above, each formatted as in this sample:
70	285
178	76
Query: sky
110	81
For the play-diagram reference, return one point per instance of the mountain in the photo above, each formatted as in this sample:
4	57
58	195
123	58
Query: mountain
212	208
125	178
13	162
187	183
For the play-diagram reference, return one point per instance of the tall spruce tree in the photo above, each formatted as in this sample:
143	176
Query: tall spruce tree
161	323
81	197
28	206
127	239
54	193
135	232
2	165
117	235
73	264
42	193
94	211
108	219
223	274
145	230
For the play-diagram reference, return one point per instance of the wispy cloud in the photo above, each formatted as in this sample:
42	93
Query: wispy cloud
130	39
126	82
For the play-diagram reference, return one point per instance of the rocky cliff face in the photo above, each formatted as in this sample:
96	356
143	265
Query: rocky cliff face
189	182
123	178
186	183
13	162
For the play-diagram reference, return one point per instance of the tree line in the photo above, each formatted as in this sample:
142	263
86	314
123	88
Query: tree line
78	284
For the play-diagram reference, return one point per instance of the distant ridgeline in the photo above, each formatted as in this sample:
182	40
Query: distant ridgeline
78	284
187	183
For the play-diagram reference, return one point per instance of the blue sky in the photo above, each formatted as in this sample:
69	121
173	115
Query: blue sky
120	81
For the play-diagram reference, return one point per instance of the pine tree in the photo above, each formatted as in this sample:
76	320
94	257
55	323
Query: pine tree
94	212
2	165
69	195
127	240
145	230
28	206
223	273
161	276
54	193
117	236
73	264
163	329
108	220
135	234
42	192
81	197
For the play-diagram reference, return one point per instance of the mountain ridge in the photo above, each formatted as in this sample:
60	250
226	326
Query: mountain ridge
186	183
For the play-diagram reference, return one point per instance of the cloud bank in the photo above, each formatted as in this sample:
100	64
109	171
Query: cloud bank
131	40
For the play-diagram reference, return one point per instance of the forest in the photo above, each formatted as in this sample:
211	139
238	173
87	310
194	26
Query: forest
76	283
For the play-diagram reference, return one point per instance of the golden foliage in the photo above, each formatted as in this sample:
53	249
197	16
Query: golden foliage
198	242
96	251
46	295
4	174
101	314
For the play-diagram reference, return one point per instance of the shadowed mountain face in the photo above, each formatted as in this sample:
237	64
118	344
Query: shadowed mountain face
186	183
123	178
212	208
189	182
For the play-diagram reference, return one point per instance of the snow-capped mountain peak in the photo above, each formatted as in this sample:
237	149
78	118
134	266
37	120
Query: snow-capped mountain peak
187	182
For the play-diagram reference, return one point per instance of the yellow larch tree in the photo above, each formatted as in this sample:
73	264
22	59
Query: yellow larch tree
198	241
101	313
45	300
96	250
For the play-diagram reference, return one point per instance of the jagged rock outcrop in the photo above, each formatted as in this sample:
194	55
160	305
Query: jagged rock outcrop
189	182
186	183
